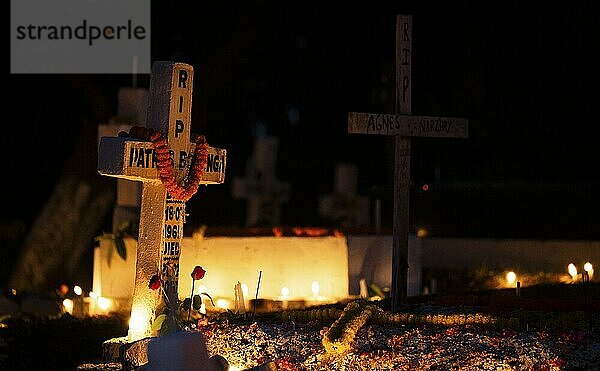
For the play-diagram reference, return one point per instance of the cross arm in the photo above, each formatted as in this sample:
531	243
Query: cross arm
125	158
407	125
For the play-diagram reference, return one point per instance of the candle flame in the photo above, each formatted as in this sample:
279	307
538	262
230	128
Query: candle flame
68	305
572	270
103	303
222	303
285	291
511	277
589	268
315	288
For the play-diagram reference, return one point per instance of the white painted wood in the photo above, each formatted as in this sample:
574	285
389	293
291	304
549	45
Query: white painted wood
161	216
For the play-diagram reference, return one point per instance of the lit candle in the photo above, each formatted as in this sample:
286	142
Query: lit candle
572	269
239	305
68	305
103	304
511	277
92	306
364	290
285	293
78	302
223	304
315	288
589	268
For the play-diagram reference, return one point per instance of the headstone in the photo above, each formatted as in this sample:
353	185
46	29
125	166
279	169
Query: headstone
161	216
403	126
109	269
261	188
345	206
131	111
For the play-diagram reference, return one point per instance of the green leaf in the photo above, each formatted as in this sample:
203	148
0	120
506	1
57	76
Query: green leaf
197	302
158	322
186	303
121	249
165	329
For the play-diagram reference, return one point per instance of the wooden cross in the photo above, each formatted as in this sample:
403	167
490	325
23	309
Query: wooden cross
161	216
403	126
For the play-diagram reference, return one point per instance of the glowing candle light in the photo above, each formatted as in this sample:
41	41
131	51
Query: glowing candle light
93	295
222	303
511	277
285	292
139	323
77	290
202	308
589	268
202	289
103	303
572	270
315	288
68	305
245	289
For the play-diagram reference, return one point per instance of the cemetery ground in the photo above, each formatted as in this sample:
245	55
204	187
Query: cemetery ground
549	327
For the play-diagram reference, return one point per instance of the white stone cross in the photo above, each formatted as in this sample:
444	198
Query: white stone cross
403	126
161	216
345	205
260	186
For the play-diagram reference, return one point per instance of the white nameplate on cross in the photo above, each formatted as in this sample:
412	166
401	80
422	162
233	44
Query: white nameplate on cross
161	216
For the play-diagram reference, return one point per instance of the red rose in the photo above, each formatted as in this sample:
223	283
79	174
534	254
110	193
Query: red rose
154	283
198	273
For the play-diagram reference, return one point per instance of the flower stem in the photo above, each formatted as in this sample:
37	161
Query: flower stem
191	299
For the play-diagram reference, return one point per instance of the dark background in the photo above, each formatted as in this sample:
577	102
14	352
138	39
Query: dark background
525	77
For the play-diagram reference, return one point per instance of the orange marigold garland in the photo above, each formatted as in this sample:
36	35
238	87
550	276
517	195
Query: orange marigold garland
165	164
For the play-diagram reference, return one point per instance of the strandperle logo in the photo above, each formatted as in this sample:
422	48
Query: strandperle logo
80	36
82	32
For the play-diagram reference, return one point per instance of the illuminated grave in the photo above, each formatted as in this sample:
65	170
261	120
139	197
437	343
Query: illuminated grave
304	270
309	270
162	213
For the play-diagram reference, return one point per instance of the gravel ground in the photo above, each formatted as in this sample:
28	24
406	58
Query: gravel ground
554	335
298	347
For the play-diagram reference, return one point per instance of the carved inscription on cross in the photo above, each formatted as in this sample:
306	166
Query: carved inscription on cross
403	126
161	216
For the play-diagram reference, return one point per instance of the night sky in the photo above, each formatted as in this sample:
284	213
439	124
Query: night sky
526	79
